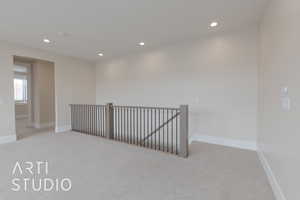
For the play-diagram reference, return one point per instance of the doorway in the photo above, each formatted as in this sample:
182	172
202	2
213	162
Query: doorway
34	96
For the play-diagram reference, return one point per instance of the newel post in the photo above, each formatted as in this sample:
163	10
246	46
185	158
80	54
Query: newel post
109	111
184	131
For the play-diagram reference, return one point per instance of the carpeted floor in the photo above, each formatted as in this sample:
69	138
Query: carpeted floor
108	170
24	130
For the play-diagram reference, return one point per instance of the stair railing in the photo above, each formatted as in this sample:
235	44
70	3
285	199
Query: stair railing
158	128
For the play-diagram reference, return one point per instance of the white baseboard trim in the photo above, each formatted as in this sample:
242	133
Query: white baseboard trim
44	125
61	129
249	145
8	139
21	116
278	193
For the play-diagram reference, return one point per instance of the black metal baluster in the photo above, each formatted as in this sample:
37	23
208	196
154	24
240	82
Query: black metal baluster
168	131
159	122
120	122
151	127
119	130
127	127
155	136
83	118
176	134
72	117
163	130
97	120
117	124
104	120
124	130
172	142
147	127
144	126
140	123
93	120
133	126
137	126
100	121
130	126
80	117
89	119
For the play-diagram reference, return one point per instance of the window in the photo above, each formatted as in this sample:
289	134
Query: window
20	87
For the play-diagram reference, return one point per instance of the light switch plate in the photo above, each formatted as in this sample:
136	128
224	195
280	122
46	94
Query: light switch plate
286	103
1	101
285	99
284	92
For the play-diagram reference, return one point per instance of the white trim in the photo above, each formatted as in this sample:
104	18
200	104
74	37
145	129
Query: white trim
61	129
272	179
241	144
44	125
8	139
21	116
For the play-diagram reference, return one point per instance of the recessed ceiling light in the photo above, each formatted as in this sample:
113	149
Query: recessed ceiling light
100	54
46	40
142	43
214	24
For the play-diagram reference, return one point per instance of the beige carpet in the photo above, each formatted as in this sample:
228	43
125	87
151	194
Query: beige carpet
103	169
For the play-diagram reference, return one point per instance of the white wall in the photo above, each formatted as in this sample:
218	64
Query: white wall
278	136
216	76
7	115
74	83
43	93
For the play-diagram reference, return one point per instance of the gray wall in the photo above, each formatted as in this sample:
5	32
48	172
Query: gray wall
278	136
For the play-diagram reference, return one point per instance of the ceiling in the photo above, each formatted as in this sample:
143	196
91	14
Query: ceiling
82	28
